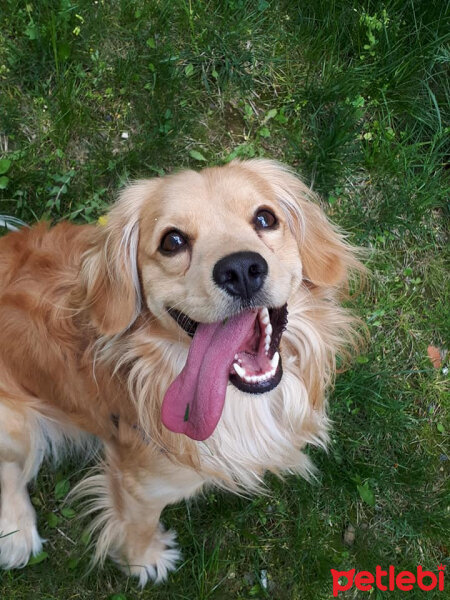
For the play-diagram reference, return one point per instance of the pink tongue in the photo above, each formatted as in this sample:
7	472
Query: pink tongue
194	401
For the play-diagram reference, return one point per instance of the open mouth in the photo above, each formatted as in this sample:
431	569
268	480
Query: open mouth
242	350
256	367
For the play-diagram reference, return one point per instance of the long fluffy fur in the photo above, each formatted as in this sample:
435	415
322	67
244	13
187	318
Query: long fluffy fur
87	349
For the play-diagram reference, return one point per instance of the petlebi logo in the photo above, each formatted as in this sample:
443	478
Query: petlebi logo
388	580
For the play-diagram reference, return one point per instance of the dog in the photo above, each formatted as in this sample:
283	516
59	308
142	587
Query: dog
194	333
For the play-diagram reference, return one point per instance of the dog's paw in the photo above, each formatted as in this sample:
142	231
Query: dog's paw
158	560
18	542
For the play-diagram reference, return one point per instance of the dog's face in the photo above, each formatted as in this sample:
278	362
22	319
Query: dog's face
217	243
216	256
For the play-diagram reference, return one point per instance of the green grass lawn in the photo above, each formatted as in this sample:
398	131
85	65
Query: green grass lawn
354	95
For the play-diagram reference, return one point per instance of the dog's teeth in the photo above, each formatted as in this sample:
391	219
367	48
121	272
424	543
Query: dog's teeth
269	329
236	357
267	340
264	314
239	370
274	361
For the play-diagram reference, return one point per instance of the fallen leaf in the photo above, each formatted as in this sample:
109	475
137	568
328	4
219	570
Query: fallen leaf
434	355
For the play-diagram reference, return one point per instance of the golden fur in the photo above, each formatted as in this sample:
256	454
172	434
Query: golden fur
87	347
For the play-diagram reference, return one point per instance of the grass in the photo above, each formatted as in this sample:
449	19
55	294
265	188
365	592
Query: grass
355	96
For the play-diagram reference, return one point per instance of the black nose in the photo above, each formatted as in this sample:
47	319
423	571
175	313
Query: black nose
241	274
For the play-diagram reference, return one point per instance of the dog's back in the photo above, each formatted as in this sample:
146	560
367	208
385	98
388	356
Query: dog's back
38	255
40	341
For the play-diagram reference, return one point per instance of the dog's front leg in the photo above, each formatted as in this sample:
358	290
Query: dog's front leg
131	492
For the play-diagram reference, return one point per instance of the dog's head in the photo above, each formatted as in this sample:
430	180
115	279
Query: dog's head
215	256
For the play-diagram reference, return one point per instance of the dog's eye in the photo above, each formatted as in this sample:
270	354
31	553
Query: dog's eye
265	219
172	242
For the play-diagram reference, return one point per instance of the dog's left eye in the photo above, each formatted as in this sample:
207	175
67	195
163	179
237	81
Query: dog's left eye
172	242
265	219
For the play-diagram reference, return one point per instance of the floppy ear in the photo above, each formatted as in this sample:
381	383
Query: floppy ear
109	271
327	258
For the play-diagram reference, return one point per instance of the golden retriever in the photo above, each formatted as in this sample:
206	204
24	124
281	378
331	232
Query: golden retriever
194	334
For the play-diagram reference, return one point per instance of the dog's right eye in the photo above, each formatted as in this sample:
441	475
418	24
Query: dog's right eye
172	242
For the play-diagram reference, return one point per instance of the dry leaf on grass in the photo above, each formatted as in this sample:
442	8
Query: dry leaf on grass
434	354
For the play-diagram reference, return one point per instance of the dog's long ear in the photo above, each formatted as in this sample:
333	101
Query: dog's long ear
109	274
327	258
